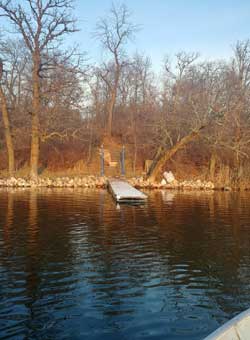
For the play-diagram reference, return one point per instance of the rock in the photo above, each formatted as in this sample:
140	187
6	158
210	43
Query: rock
11	182
210	185
168	176
101	182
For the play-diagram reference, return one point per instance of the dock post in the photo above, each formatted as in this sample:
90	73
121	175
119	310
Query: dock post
123	161
102	160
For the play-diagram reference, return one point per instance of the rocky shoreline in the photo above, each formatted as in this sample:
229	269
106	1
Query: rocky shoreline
57	182
101	182
187	184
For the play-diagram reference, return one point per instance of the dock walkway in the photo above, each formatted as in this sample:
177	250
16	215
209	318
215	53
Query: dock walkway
122	191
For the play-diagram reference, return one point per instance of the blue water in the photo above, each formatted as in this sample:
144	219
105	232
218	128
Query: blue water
73	265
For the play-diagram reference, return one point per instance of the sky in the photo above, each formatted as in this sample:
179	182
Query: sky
209	27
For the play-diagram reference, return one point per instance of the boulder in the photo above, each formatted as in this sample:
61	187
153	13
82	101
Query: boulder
169	177
163	182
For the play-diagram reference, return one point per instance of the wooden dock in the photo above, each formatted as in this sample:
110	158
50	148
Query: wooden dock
122	191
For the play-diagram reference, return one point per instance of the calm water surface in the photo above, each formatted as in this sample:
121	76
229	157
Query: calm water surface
73	265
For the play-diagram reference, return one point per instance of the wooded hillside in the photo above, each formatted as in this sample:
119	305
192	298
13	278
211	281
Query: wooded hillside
58	108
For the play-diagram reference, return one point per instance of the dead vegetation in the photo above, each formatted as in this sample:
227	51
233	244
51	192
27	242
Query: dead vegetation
57	110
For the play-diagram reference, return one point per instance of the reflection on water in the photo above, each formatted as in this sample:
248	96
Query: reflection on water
73	265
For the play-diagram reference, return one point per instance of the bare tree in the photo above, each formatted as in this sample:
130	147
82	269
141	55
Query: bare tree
41	24
7	128
240	87
16	65
114	31
157	165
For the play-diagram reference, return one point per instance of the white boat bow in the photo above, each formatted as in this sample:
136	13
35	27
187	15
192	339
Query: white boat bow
237	328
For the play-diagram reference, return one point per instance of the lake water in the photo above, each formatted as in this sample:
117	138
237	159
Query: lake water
73	265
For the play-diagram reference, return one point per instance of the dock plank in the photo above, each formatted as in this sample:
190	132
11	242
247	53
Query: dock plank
122	191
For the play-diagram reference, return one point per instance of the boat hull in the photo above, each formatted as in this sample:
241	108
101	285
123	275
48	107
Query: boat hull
237	328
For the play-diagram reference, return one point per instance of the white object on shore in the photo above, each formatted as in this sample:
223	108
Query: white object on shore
237	328
163	182
169	177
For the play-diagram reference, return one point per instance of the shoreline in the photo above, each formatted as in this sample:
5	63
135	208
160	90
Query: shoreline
101	182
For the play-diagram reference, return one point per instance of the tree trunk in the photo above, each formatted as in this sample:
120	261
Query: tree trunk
7	132
212	166
111	106
135	155
157	157
162	157
113	94
34	155
133	116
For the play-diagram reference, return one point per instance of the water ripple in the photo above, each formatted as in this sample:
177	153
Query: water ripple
73	266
